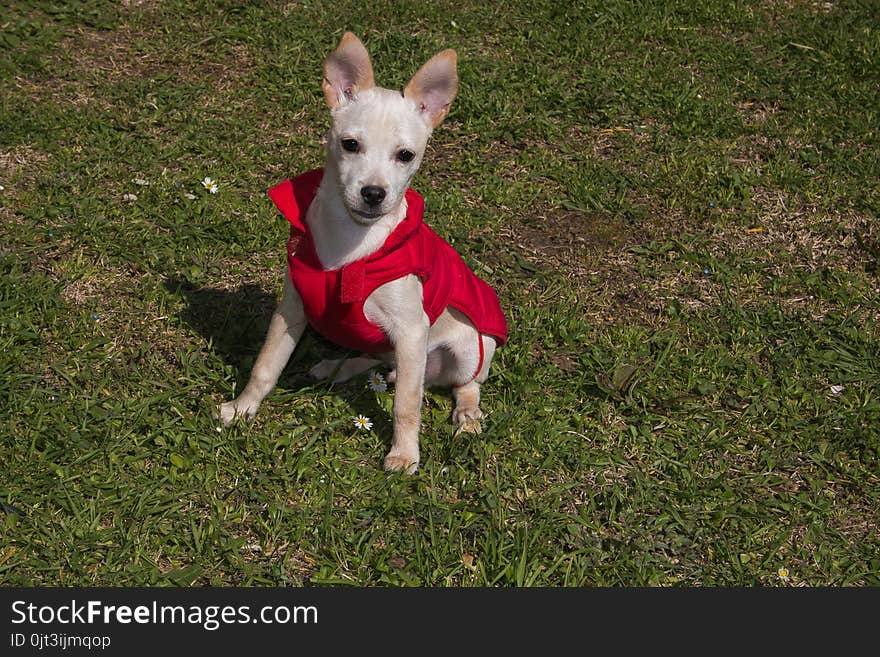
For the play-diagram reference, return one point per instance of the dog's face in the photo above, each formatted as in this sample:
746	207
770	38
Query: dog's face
376	144
377	136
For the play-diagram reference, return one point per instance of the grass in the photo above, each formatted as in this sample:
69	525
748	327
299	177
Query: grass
677	203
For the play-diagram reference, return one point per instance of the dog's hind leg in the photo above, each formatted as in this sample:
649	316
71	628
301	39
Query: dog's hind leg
342	369
462	361
467	414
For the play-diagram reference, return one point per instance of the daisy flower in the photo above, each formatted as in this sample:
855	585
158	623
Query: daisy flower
783	574
209	184
377	382
363	422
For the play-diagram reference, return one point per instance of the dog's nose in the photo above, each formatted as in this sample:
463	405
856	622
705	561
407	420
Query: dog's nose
373	195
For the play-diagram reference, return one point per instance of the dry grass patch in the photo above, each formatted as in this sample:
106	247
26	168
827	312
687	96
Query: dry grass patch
21	161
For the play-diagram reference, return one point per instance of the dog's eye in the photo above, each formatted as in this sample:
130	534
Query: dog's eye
405	155
350	145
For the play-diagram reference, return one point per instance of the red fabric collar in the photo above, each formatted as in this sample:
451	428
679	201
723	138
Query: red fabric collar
293	198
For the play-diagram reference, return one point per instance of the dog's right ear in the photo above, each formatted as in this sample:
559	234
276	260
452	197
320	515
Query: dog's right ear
434	86
347	71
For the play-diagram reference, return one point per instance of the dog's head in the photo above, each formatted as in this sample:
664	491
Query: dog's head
378	136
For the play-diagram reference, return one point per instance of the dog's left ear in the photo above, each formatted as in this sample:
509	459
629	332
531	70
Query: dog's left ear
434	86
347	71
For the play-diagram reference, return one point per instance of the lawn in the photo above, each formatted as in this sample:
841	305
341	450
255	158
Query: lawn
677	203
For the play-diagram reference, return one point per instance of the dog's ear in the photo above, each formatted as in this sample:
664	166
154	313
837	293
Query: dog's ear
434	86
347	71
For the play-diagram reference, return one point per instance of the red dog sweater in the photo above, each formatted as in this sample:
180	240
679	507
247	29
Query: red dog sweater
334	300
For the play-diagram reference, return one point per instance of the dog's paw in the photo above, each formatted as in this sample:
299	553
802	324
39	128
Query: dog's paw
233	409
325	369
463	416
401	463
471	426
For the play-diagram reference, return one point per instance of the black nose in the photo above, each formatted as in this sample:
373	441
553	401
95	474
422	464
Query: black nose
373	195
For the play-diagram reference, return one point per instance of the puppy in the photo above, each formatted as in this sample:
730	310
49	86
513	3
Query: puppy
363	268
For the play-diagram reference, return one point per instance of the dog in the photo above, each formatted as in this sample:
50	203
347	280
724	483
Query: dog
365	270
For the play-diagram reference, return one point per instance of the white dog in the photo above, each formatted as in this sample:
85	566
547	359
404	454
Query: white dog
365	271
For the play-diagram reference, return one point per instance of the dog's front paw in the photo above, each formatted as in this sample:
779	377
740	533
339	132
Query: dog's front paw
408	463
235	409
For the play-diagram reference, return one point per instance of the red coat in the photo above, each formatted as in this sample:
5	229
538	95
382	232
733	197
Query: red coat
334	300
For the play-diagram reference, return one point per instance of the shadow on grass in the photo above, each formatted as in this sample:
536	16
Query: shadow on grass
234	323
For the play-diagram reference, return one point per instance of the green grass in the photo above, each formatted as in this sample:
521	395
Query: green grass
677	203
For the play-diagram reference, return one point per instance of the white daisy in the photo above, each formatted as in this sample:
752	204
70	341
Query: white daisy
363	422
377	382
209	184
